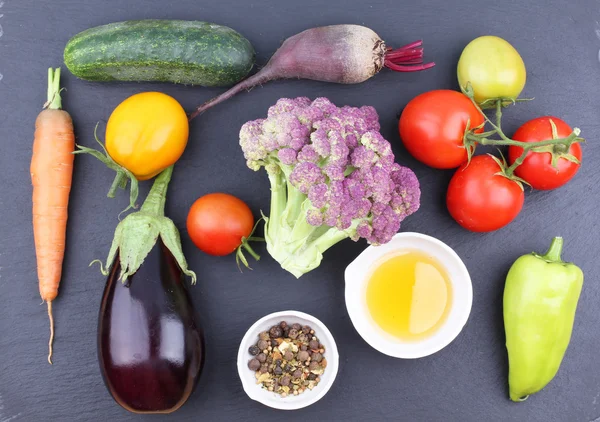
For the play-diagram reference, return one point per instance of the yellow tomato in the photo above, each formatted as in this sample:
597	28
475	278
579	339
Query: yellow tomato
147	133
493	67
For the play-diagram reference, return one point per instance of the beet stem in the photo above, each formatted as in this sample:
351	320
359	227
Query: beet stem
409	68
408	58
411	45
394	54
402	59
264	75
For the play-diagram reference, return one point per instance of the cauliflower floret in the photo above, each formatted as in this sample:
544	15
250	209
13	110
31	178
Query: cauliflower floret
337	171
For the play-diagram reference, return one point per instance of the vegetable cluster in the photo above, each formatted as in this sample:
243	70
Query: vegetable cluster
332	176
442	129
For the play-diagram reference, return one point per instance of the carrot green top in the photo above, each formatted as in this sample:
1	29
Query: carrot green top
54	100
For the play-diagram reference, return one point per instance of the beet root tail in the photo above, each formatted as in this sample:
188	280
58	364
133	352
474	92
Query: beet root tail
259	78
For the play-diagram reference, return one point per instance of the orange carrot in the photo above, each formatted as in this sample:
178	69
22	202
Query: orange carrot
51	174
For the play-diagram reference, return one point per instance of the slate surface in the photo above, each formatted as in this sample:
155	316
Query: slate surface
464	382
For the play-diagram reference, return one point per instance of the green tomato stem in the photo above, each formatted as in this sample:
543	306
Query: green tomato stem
517	163
573	137
116	184
249	249
471	138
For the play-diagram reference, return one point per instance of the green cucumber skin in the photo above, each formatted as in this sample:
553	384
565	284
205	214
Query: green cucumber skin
176	51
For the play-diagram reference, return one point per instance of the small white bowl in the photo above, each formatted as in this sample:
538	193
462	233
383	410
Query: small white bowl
271	399
357	274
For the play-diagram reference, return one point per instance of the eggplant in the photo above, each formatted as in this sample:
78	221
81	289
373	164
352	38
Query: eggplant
150	347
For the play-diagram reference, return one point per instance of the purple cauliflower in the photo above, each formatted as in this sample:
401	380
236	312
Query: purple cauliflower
332	175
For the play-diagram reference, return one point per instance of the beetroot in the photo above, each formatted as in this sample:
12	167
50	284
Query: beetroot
346	54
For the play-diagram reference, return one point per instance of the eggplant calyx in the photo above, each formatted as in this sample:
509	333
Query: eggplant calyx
137	234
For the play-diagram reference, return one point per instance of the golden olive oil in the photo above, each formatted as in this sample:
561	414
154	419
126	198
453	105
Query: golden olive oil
409	295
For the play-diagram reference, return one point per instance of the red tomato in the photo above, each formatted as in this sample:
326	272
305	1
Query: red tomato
537	168
432	126
217	222
480	199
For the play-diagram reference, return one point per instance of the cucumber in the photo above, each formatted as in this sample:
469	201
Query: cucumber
176	51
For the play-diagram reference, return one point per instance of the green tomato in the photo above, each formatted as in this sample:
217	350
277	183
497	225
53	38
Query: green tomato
493	67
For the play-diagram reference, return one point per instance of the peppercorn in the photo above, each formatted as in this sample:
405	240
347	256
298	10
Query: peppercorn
302	356
302	348
254	364
275	331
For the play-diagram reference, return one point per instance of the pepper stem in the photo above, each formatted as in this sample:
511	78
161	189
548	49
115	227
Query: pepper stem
155	201
553	254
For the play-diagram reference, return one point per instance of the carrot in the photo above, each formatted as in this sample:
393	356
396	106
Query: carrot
51	174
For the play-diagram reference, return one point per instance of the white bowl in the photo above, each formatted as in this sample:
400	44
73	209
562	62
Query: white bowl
357	274
271	399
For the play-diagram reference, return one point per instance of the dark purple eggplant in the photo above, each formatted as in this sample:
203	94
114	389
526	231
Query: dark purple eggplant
150	345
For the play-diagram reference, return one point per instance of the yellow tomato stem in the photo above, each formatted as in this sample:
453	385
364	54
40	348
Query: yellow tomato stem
120	181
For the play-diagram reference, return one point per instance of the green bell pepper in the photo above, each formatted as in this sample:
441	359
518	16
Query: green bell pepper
540	300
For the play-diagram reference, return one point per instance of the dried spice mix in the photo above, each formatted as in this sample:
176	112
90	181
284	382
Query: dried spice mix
288	359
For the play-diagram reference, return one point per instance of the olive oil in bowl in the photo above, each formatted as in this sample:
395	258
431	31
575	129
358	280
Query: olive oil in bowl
409	295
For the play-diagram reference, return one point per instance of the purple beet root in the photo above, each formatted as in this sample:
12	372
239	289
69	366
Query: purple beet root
346	54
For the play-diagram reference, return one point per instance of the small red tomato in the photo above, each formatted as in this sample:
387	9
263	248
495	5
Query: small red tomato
217	222
537	168
482	200
432	126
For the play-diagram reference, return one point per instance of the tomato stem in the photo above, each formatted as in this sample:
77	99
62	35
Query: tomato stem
517	162
471	138
251	251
